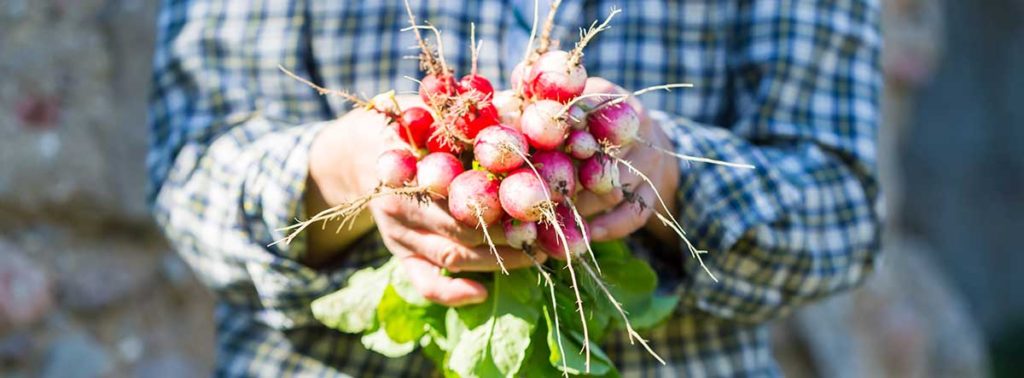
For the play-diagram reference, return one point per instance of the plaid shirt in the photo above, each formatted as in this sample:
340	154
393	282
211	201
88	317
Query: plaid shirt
791	86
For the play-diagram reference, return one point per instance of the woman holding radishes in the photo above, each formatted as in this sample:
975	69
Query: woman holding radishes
518	199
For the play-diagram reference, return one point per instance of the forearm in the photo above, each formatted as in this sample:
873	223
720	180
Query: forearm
799	226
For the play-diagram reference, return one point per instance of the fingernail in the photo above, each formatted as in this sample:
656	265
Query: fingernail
598	232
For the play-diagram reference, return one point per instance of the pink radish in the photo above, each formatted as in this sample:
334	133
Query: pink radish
500	149
509	107
558	172
473	199
581	144
396	168
599	174
616	125
576	117
519	234
555	77
542	126
414	126
523	195
436	86
518	79
548	238
436	171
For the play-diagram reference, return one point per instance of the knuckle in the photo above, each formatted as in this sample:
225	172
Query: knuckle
431	293
452	257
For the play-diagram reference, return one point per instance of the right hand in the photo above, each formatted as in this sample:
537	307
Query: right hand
423	236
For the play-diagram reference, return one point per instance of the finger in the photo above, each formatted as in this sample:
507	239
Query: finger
446	253
590	204
625	219
435	218
435	287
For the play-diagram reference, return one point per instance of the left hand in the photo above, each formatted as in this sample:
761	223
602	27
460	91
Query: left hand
623	212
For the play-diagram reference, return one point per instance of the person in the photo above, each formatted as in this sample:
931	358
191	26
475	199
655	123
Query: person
240	150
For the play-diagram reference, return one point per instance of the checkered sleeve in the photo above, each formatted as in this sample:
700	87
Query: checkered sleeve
228	169
803	224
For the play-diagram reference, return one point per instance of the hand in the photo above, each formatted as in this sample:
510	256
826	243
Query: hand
424	236
622	212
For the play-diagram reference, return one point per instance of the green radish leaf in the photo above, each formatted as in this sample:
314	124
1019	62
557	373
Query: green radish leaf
498	330
378	341
658	309
575	361
401	320
537	364
353	309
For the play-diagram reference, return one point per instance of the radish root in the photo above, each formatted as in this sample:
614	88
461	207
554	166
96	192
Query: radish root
576	55
347	212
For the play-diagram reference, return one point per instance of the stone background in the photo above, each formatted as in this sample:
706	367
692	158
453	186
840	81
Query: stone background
89	288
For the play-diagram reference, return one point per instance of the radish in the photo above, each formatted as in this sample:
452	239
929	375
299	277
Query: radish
509	107
437	86
541	124
414	126
519	234
548	238
436	171
439	141
599	174
473	199
615	125
478	117
576	116
385	103
480	84
558	172
555	76
524	196
581	144
396	168
518	80
500	149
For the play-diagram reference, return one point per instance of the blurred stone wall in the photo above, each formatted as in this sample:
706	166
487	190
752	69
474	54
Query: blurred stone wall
87	286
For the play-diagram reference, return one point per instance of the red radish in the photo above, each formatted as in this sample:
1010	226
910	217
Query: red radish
581	144
548	238
477	119
599	174
542	126
437	142
616	124
576	117
557	170
509	107
555	77
519	234
414	126
495	149
523	195
477	83
436	86
436	171
473	199
396	168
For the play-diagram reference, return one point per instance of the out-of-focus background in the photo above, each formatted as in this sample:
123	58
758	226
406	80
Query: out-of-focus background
89	288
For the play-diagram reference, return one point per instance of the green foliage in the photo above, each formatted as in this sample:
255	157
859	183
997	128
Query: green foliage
513	332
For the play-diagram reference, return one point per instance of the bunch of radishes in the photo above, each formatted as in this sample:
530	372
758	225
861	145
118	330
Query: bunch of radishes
517	157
